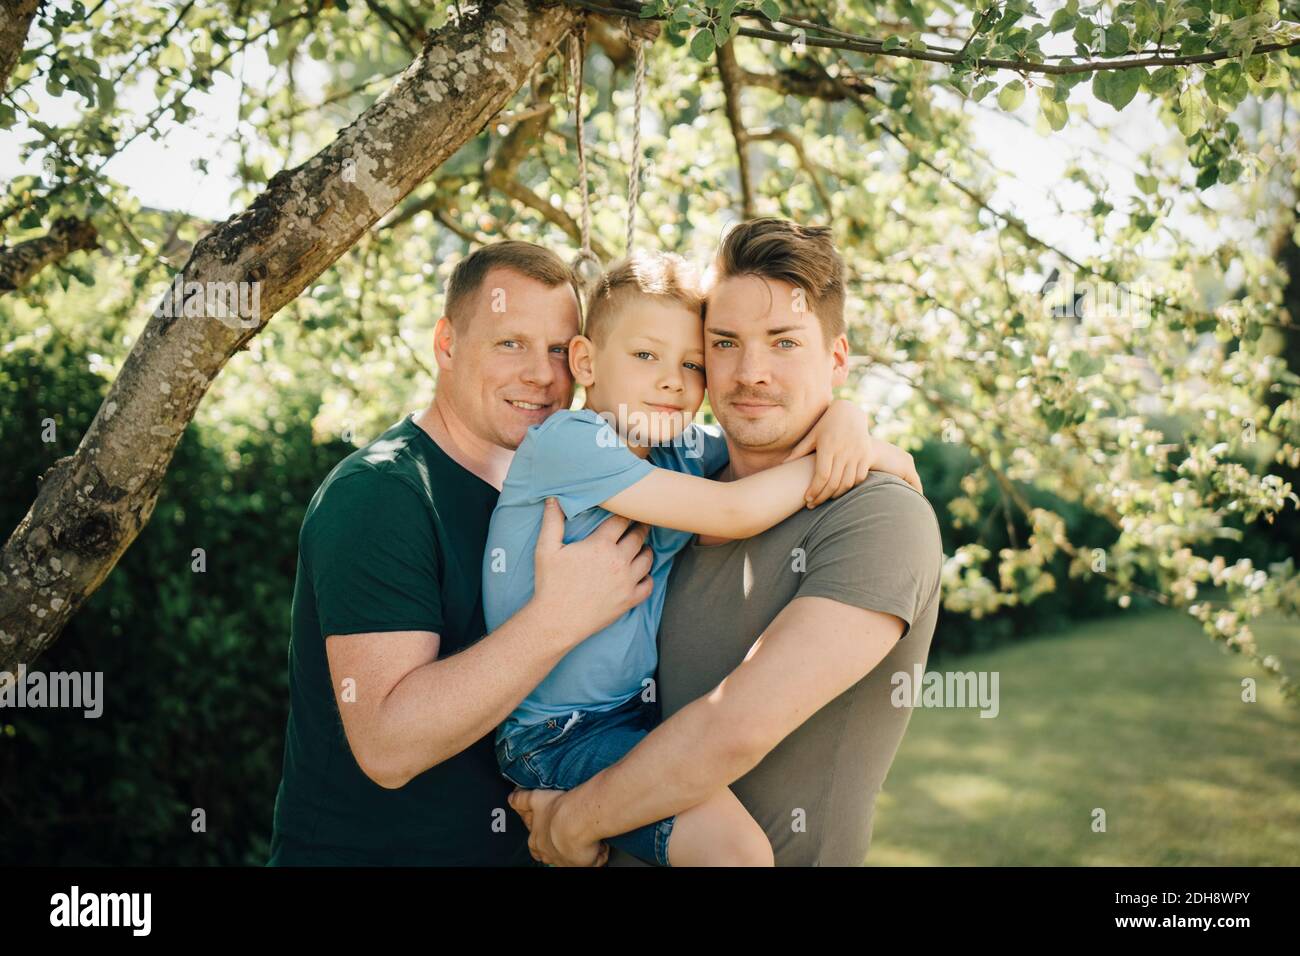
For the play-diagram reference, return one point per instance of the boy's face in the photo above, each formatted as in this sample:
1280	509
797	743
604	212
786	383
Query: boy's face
648	372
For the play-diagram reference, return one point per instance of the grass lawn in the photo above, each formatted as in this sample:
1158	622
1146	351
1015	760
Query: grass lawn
1141	716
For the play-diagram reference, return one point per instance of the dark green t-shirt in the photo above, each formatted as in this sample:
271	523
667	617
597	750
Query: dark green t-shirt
392	541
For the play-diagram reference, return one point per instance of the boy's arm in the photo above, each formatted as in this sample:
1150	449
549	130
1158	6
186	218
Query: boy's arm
845	453
726	509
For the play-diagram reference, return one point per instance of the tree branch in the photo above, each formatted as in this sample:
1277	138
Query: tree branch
783	135
839	40
730	72
501	171
92	505
19	264
15	21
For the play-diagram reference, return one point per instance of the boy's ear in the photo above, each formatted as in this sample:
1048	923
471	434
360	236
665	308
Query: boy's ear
581	354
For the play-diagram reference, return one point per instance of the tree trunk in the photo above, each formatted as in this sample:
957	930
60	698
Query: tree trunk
91	506
21	262
15	20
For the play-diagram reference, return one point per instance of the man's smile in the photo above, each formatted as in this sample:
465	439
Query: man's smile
528	406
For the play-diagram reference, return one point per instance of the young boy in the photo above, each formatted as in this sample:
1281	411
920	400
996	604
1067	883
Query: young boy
631	451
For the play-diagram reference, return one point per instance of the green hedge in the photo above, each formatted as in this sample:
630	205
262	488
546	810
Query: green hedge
193	663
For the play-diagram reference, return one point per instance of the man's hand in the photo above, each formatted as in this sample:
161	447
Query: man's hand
546	841
590	583
846	452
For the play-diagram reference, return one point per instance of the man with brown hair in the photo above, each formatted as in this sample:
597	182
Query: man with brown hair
394	689
775	652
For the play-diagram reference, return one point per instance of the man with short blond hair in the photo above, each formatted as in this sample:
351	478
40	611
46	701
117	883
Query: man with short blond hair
394	689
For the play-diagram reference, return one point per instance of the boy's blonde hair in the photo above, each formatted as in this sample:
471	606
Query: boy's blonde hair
654	275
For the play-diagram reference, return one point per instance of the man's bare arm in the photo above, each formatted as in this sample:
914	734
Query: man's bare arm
813	651
407	711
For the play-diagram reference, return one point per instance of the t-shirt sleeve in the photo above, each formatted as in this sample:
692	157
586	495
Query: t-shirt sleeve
879	549
699	450
580	461
373	557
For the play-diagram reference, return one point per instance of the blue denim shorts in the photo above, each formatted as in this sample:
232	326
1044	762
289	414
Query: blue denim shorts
563	752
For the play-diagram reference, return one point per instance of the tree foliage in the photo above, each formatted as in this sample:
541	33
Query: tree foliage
1146	374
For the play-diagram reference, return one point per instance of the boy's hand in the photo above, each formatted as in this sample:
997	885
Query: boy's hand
846	452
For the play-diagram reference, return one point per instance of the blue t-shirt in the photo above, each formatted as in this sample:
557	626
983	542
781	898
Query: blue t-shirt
578	459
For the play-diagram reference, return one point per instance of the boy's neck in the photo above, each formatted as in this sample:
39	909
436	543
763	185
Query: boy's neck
641	451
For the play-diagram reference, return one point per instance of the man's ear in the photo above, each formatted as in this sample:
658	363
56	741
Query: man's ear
840	361
444	340
581	355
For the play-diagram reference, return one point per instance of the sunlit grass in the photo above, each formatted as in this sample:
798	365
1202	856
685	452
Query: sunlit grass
1141	717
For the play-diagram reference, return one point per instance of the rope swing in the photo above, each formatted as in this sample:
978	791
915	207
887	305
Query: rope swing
634	172
587	264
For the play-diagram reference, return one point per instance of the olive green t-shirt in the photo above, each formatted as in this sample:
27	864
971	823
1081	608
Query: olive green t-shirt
392	541
876	547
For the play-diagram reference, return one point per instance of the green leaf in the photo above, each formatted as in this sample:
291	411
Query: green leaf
1011	96
982	90
1116	87
1116	42
770	9
1056	114
1148	184
172	57
892	42
1144	18
702	45
1083	364
1193	44
1162	80
1191	111
1061	21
